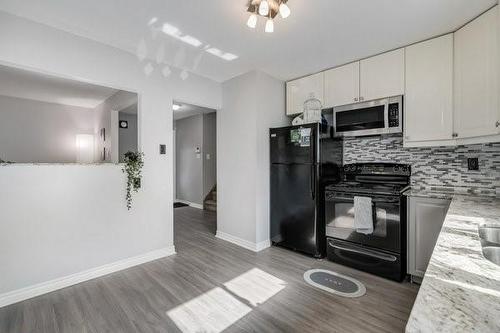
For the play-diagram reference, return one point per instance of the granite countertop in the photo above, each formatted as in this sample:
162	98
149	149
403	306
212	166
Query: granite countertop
428	193
461	289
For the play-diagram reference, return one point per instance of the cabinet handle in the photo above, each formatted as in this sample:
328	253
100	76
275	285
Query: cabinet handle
455	135
356	99
497	124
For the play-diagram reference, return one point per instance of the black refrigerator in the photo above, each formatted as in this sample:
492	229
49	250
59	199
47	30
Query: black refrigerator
304	159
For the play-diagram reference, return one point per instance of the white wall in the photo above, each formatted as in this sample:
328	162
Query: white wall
33	131
127	140
103	119
252	103
271	106
189	164
60	220
236	172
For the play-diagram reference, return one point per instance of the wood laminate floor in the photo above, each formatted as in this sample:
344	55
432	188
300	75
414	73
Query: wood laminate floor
212	285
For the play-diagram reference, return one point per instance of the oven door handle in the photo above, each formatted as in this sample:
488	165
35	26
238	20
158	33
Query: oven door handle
381	256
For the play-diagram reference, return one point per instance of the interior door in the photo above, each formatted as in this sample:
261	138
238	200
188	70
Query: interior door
293	206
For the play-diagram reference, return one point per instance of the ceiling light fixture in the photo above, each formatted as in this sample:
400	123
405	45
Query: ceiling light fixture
269	25
252	21
268	9
264	8
176	107
284	10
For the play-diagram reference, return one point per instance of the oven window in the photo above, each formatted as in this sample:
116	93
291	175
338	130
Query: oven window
343	218
360	119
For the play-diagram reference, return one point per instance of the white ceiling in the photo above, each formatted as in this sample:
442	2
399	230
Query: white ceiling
319	34
189	110
40	87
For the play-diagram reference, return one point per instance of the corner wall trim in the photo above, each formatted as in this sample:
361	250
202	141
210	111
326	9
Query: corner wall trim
22	294
255	247
191	204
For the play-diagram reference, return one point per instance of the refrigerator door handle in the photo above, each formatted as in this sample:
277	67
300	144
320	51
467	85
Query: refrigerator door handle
313	181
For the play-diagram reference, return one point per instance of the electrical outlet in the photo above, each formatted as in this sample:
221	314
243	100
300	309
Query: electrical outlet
163	149
473	164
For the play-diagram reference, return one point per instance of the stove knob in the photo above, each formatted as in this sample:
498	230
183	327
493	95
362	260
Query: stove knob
396	169
404	169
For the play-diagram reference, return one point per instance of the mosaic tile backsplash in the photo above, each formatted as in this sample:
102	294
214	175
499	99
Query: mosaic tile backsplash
438	168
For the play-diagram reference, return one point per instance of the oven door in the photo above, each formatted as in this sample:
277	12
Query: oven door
339	220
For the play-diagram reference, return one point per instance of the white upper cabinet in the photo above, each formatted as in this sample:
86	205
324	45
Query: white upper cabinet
382	76
476	77
300	90
342	85
429	90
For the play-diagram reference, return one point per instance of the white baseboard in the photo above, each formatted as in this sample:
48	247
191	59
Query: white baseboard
66	281
191	204
255	247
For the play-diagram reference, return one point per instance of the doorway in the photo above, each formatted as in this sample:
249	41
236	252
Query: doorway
195	156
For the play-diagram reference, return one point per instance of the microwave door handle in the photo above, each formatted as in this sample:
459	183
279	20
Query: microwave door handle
386	115
385	257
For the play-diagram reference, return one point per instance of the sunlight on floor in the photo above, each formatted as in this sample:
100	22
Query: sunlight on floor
256	286
217	309
213	311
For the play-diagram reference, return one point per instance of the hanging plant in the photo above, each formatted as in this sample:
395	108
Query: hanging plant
2	162
133	168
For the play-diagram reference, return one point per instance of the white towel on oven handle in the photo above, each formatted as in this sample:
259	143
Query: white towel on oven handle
363	215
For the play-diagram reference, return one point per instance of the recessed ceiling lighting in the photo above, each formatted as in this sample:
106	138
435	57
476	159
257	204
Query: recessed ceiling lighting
153	21
176	107
174	32
221	54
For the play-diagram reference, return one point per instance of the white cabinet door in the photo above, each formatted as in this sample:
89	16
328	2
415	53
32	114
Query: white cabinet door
382	76
300	90
426	217
342	85
429	90
476	77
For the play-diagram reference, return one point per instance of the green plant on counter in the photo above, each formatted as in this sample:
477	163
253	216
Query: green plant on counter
133	168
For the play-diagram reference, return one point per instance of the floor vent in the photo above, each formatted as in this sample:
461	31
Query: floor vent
334	283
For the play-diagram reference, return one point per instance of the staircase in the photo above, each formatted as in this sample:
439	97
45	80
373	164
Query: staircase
210	202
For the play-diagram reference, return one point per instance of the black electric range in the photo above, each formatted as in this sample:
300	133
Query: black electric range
383	251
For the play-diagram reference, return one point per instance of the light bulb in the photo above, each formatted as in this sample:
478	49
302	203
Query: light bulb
176	107
284	10
264	8
252	21
269	25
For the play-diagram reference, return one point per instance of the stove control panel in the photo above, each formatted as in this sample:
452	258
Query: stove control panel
385	169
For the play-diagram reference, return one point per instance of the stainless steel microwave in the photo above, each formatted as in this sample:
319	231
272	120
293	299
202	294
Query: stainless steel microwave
381	116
